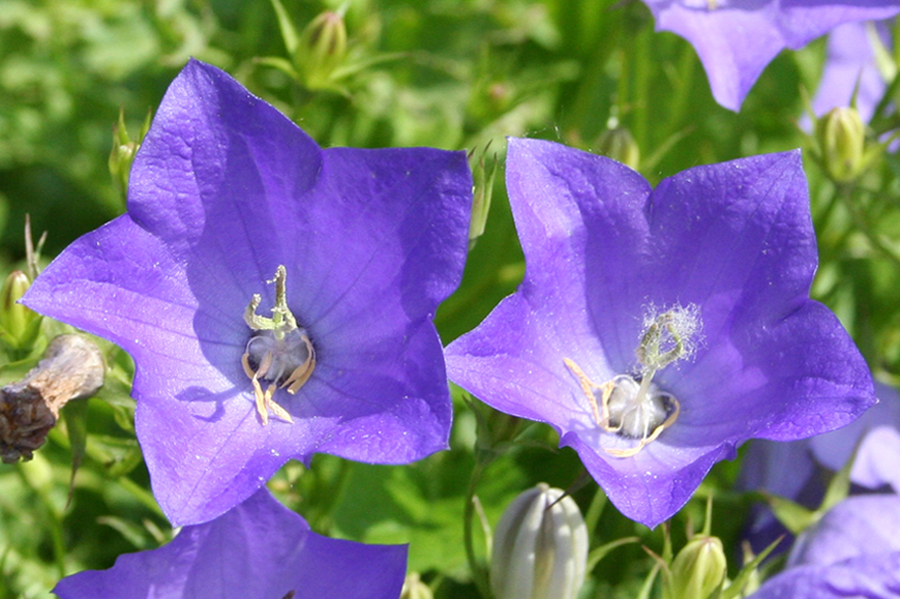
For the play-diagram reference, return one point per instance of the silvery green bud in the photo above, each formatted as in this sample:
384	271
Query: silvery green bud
841	137
322	48
618	144
540	547
698	570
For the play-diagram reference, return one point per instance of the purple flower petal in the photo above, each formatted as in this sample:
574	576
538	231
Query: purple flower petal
854	551
860	525
851	61
736	39
223	191
602	249
257	550
867	577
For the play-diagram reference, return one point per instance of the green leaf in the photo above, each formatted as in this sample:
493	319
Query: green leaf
288	31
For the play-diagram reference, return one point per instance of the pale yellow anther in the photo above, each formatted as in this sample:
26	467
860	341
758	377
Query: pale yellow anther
601	412
264	401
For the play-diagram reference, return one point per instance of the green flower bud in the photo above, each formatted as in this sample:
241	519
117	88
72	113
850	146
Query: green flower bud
123	151
698	570
841	137
483	173
414	588
540	547
322	48
618	144
19	324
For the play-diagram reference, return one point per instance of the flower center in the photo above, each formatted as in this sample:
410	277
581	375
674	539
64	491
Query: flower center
632	406
279	351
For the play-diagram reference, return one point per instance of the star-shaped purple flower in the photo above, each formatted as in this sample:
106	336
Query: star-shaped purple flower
234	213
736	39
854	551
657	330
257	550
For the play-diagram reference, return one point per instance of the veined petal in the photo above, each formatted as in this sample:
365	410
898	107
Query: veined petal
734	241
224	192
257	550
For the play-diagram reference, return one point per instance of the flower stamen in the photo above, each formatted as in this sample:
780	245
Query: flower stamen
632	406
280	352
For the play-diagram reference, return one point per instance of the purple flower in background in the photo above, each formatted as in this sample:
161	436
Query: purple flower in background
851	59
233	213
797	470
736	39
854	551
657	330
257	550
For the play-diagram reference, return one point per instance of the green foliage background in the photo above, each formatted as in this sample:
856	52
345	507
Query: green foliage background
455	74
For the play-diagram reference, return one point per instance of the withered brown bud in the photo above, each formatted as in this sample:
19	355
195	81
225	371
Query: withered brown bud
72	368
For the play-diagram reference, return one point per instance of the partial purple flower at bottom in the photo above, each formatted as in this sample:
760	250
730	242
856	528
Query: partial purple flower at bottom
854	551
277	298
258	550
736	39
657	330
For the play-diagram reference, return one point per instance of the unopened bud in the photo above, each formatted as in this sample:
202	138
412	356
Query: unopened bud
414	588
841	137
698	570
618	143
483	172
322	48
540	547
123	151
20	325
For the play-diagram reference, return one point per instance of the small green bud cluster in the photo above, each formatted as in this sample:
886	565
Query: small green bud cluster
540	547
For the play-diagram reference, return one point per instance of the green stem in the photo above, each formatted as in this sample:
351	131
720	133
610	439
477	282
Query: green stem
479	574
595	510
861	223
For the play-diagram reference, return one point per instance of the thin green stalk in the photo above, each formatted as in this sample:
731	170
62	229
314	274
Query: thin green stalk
595	510
859	220
479	574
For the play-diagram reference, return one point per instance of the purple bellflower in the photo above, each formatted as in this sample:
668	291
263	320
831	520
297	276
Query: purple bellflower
257	550
234	212
853	551
798	470
657	330
852	62
736	39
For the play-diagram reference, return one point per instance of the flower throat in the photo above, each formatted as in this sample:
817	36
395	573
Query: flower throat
631	405
279	351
